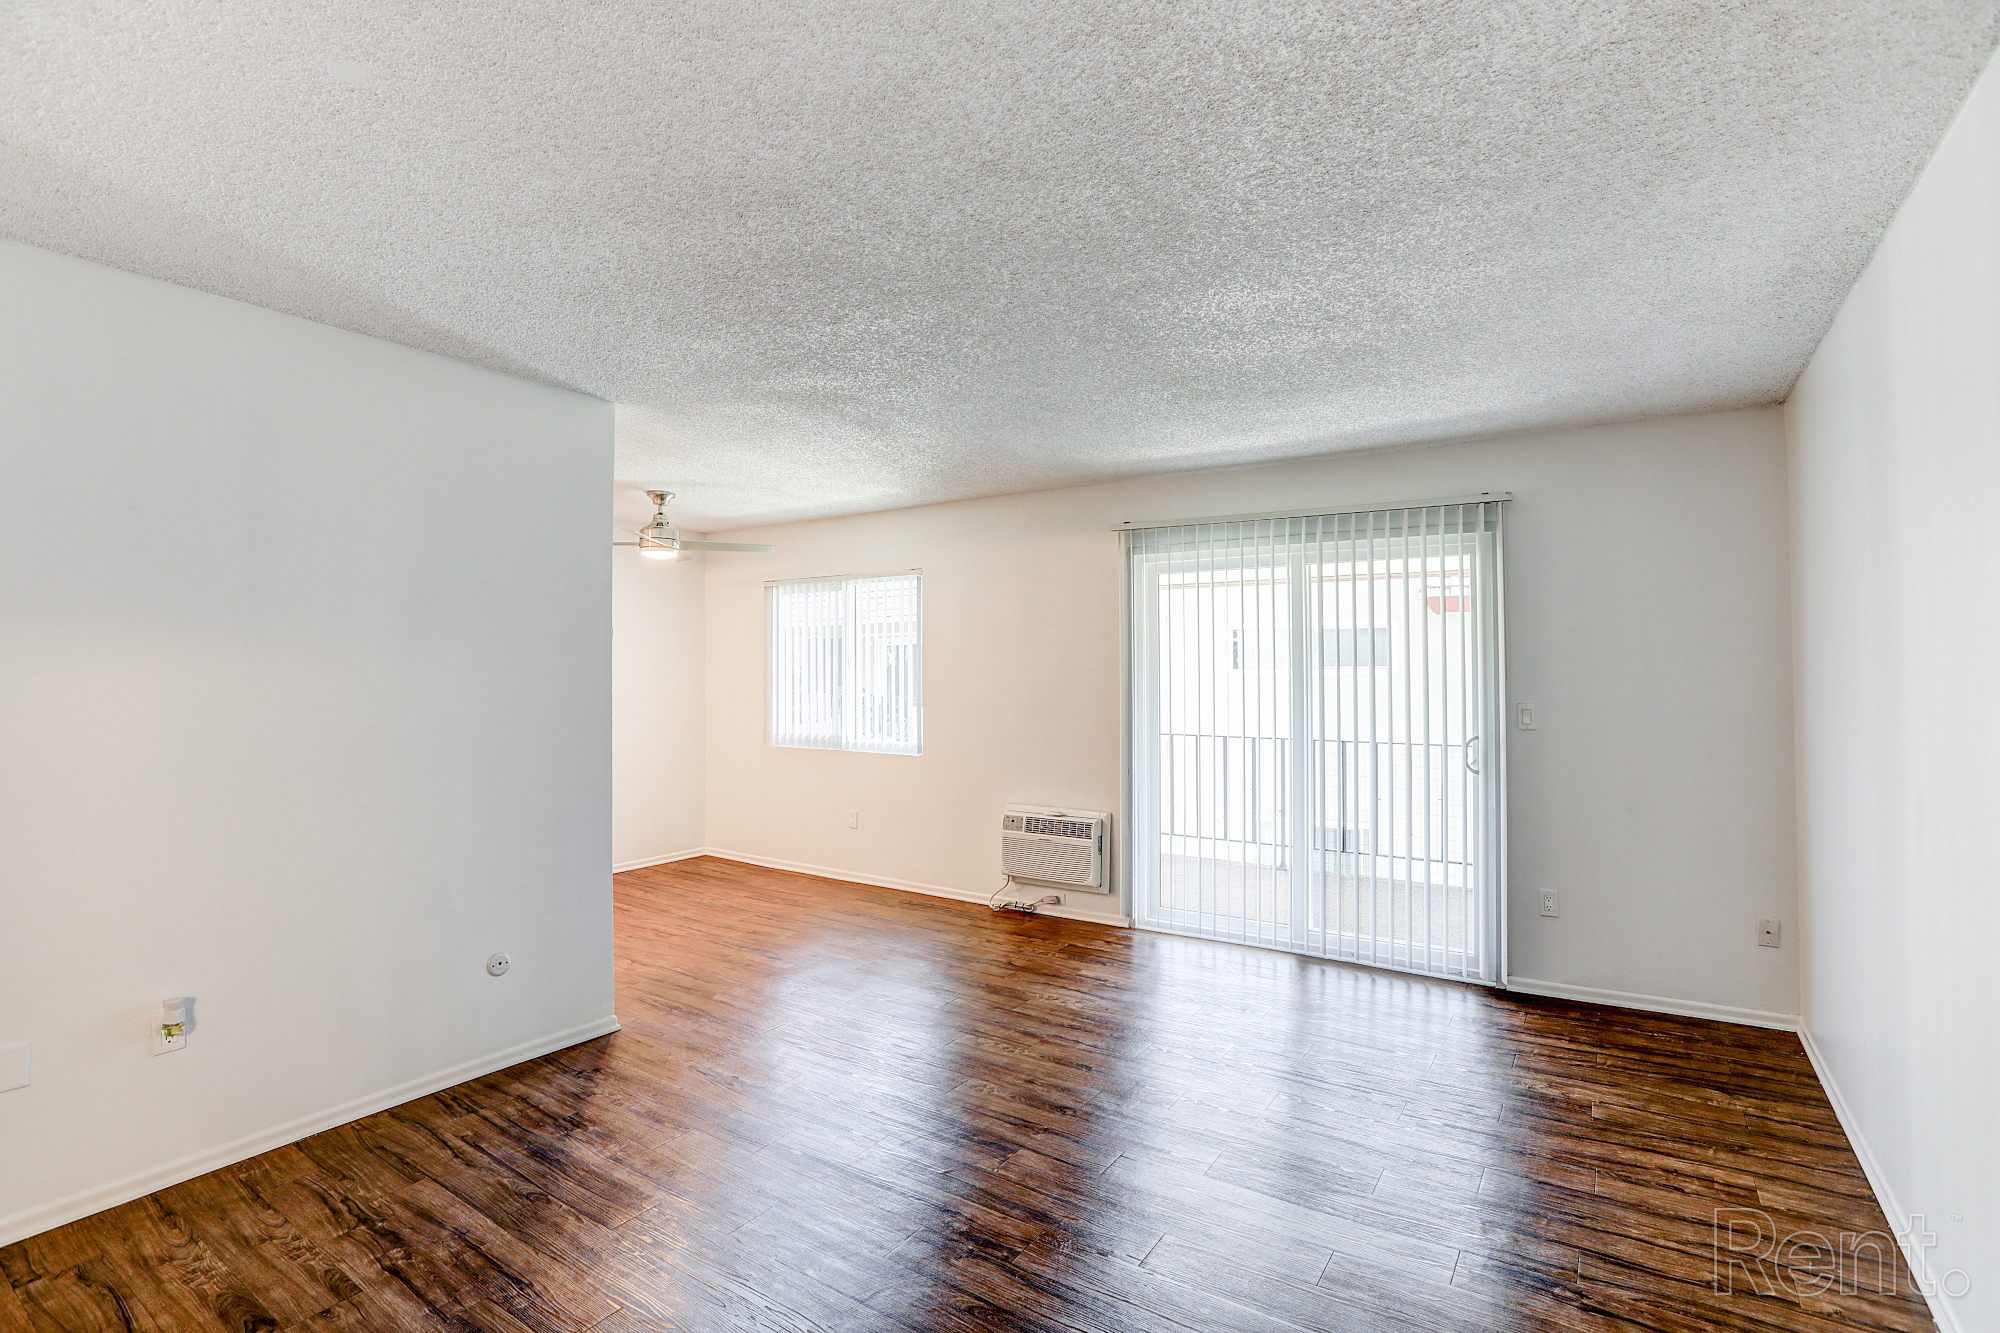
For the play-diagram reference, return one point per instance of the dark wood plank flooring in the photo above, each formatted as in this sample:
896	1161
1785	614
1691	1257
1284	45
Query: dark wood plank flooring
837	1107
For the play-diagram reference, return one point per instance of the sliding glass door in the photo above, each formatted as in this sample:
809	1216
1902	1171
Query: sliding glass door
1315	734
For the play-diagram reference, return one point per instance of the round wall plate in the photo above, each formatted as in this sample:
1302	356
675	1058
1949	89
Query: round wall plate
497	965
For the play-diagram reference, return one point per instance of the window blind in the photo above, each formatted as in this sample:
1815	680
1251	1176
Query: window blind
845	663
1315	756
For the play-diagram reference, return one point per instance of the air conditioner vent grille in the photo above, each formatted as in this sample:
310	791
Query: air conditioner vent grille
1059	828
1038	858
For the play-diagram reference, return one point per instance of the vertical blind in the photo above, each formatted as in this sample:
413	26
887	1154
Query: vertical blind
845	663
1315	750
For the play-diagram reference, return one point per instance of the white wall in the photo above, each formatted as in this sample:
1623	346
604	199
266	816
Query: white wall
277	737
1895	456
1647	618
659	803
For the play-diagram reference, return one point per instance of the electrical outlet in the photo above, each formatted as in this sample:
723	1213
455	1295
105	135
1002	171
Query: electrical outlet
1549	903
854	819
1524	716
1767	933
175	1019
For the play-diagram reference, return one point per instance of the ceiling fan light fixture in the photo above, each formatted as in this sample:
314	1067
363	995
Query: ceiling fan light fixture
661	540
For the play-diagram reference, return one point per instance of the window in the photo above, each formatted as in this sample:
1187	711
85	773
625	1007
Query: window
1351	648
846	663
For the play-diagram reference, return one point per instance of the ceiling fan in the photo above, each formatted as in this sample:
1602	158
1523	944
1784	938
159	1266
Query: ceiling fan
660	540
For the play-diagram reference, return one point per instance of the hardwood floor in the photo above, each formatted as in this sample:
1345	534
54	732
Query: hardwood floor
837	1107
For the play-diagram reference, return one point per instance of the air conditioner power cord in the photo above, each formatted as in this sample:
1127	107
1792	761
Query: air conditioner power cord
1013	905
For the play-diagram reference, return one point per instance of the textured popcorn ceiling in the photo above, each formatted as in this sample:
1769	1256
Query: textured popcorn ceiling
852	256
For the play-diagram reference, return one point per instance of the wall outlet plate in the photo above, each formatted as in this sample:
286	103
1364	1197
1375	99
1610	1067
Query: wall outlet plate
1549	904
162	1043
1768	930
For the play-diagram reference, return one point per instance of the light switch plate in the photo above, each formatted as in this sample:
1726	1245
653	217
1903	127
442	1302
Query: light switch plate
1524	716
17	1065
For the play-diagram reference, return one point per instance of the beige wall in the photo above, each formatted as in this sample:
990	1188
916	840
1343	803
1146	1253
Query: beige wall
659	782
274	736
1895	450
1647	619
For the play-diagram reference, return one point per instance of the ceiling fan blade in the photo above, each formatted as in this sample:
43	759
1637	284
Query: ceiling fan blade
722	546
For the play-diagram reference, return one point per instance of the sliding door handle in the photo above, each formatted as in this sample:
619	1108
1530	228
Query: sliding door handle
1471	766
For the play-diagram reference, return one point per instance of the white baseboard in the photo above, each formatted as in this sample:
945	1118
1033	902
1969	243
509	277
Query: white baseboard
619	867
1112	917
1655	1004
34	1221
1942	1313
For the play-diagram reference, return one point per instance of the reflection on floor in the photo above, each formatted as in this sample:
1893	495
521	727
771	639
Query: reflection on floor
837	1107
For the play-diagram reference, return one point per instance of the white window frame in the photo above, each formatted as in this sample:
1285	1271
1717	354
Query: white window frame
1140	705
842	594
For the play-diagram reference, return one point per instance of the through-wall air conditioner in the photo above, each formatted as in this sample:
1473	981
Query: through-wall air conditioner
1048	846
